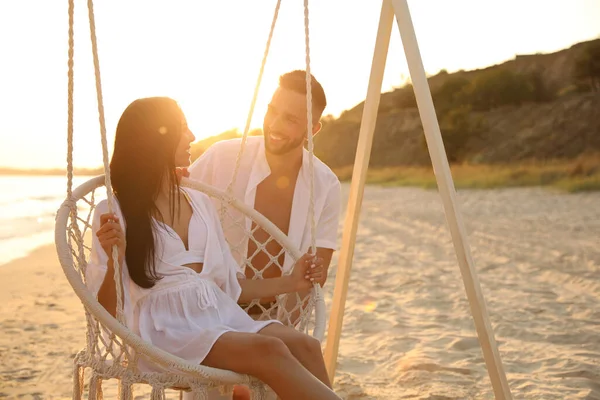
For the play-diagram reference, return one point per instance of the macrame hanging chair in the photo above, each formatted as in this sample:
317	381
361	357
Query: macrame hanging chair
112	350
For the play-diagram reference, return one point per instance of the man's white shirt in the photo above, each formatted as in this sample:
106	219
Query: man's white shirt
216	167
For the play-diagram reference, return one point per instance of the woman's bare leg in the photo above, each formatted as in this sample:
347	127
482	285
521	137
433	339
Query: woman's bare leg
305	348
268	359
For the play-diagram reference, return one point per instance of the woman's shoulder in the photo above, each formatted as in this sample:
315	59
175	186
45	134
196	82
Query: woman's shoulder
201	201
102	207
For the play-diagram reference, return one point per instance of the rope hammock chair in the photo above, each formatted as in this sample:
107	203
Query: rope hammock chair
112	350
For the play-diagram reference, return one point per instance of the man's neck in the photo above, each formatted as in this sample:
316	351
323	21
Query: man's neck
286	164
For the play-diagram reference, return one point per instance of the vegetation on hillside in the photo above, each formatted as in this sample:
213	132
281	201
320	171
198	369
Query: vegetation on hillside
587	67
580	174
537	107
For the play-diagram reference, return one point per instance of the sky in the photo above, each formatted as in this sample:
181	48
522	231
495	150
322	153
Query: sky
207	55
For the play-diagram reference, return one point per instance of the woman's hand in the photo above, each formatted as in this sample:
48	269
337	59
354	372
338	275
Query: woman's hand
307	271
110	234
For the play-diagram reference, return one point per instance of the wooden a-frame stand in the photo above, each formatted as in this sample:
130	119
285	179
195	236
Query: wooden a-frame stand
399	8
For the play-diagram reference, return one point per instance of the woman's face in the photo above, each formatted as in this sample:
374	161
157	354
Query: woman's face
182	153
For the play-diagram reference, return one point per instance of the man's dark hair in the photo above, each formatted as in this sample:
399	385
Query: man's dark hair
296	81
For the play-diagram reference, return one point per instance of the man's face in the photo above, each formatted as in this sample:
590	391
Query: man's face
284	125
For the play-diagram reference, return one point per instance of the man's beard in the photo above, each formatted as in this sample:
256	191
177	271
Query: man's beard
287	146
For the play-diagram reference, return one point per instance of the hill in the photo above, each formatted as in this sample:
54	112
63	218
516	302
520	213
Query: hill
535	107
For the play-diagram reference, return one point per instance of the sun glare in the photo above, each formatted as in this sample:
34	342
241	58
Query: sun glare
208	59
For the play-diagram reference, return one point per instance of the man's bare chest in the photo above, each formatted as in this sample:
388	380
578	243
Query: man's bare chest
274	199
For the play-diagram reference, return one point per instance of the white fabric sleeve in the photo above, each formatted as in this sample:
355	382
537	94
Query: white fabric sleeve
230	285
98	261
329	220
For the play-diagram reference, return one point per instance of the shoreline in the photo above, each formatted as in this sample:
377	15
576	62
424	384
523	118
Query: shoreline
40	240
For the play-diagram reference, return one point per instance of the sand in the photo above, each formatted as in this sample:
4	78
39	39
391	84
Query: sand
408	333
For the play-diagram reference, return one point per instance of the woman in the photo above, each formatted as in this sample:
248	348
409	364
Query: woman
179	277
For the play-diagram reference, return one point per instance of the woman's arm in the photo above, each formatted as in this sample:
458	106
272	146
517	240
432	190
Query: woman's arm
258	288
107	295
110	234
307	270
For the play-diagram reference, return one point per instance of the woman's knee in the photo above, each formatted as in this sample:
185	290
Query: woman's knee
271	348
307	345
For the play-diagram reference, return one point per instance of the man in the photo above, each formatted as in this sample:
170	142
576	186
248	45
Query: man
273	177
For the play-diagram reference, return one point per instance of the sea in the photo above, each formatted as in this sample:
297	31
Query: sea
28	206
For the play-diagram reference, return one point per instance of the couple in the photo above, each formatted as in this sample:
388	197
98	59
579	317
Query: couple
181	283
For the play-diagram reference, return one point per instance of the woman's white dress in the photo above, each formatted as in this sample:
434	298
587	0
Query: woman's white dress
185	312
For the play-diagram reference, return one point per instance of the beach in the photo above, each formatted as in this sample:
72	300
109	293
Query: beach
408	333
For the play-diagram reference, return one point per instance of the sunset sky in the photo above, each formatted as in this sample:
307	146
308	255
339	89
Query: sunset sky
206	55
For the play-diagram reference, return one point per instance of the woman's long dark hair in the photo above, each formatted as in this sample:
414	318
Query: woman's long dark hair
146	140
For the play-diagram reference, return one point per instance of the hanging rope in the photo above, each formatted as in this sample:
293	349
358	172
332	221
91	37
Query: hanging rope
108	184
308	112
99	97
254	97
70	88
309	127
74	226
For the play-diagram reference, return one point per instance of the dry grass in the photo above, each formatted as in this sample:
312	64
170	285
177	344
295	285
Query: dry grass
581	174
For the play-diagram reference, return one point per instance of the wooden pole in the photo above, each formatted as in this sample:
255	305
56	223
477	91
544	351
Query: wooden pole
359	175
448	195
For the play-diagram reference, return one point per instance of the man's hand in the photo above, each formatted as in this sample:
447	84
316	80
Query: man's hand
182	172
